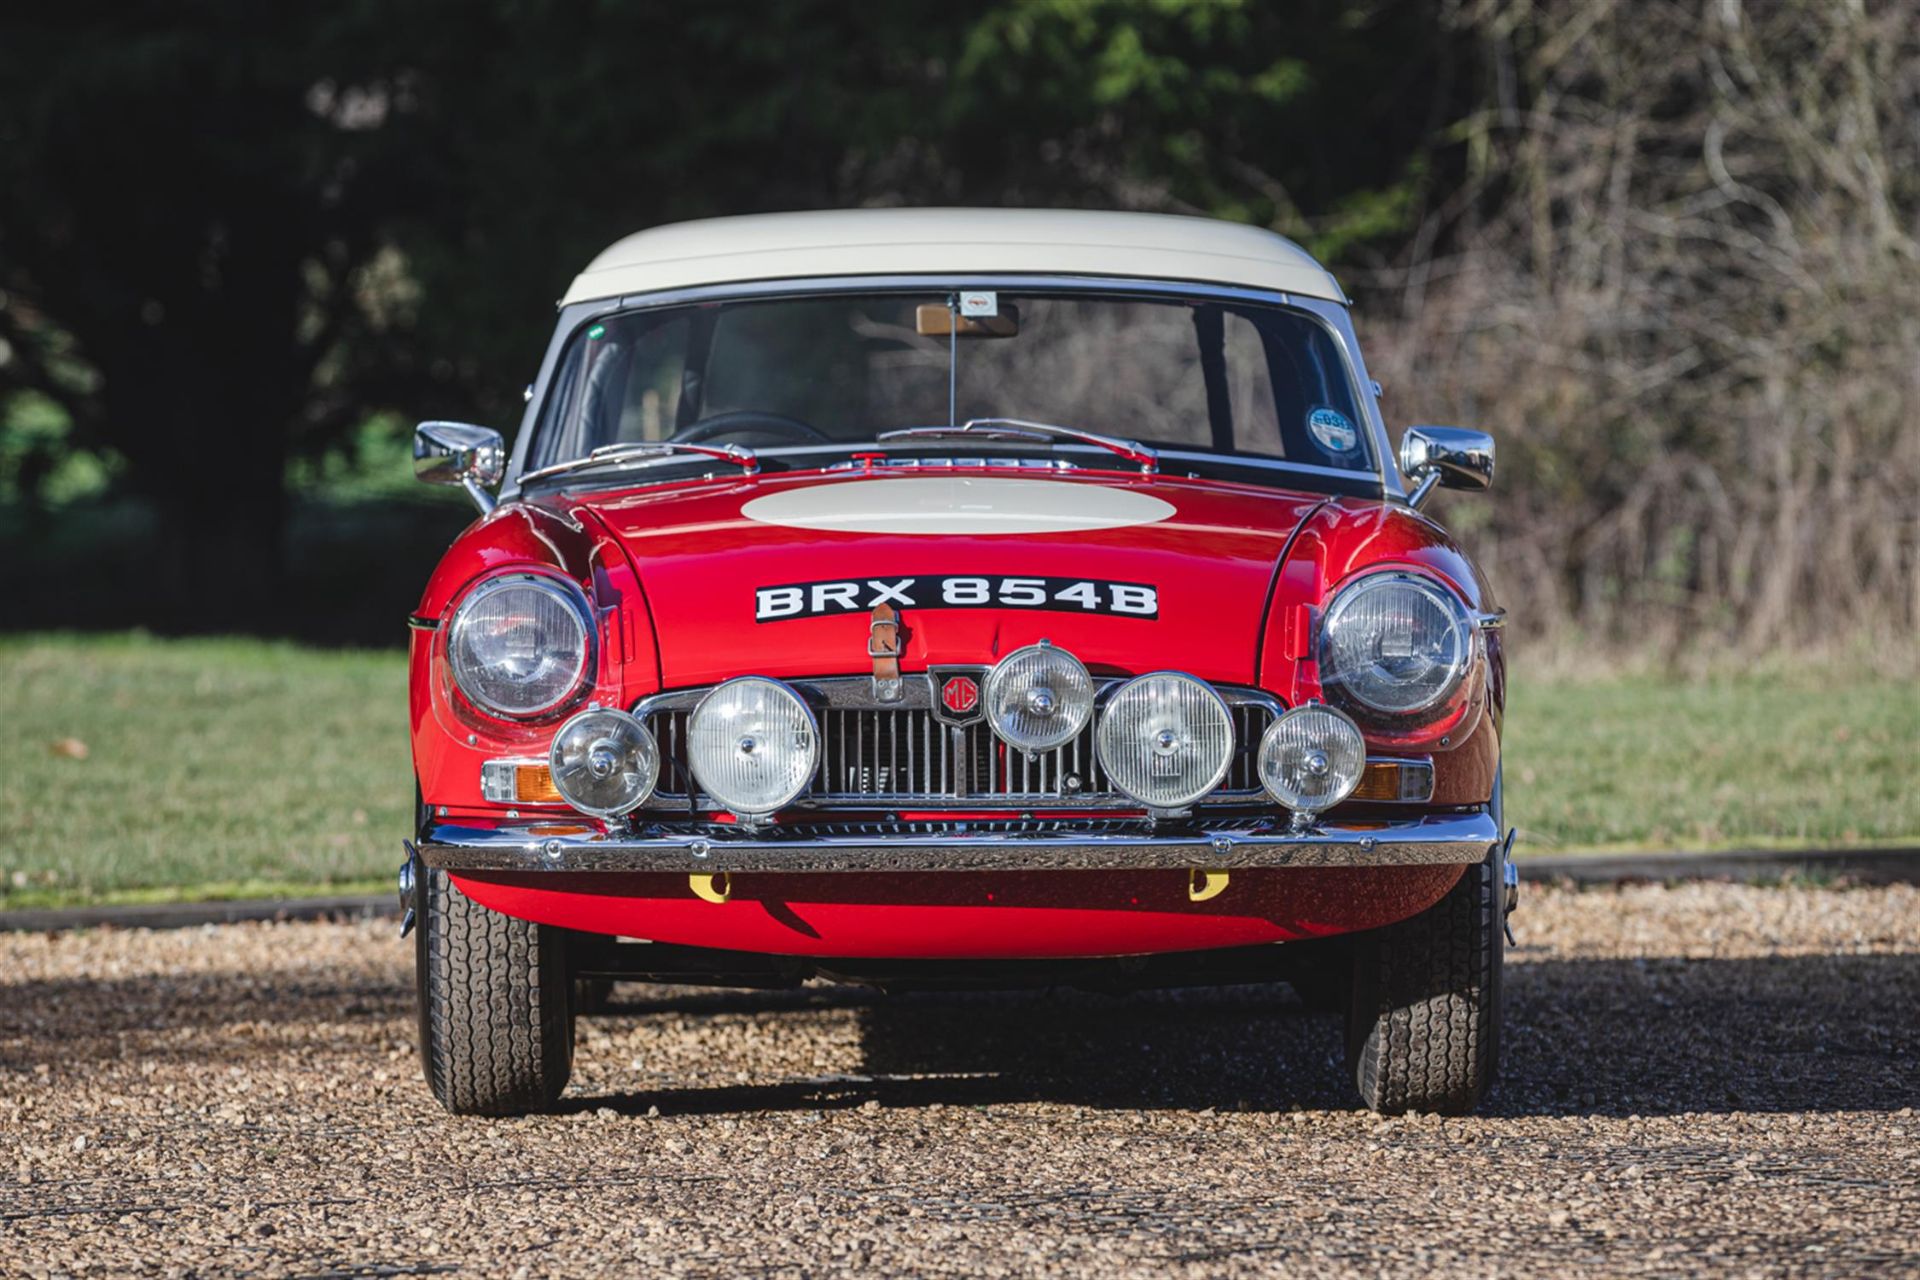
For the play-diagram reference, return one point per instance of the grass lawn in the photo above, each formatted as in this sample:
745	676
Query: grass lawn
239	767
1818	758
236	765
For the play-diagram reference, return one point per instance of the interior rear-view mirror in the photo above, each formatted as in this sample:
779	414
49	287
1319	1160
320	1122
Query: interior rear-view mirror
935	320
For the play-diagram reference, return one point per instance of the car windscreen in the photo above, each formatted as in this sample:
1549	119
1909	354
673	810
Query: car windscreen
1198	374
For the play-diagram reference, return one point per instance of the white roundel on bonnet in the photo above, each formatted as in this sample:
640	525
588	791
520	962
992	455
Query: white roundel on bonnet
957	504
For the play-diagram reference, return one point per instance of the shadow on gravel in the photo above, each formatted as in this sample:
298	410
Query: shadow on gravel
207	1017
1583	1037
1671	1034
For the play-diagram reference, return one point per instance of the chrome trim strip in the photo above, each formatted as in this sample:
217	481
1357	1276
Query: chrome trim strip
969	463
1433	840
1334	315
1146	456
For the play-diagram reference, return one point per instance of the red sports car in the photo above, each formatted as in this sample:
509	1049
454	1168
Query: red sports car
957	597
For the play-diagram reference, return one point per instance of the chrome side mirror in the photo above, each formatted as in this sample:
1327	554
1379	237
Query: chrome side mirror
1451	456
475	458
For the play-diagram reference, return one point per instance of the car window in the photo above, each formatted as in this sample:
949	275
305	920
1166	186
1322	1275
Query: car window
650	392
1186	373
1255	414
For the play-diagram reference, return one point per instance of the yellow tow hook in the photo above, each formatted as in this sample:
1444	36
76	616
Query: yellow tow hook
711	888
1203	885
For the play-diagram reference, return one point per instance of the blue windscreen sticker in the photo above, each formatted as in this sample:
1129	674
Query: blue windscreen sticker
1333	430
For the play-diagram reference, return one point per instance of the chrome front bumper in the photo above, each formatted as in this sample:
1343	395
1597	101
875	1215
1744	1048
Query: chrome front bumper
1454	838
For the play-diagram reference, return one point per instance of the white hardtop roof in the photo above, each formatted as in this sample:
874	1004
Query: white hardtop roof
861	242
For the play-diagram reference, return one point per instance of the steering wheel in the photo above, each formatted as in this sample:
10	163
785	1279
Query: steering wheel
755	420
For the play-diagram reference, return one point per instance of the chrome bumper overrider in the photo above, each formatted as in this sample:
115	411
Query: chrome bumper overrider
1456	838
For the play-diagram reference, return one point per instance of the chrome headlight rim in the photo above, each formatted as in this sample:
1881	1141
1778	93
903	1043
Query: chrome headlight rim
1002	671
1337	685
1193	795
813	746
1269	742
555	771
564	590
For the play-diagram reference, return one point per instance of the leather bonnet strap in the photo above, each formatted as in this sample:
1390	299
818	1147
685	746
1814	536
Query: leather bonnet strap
884	634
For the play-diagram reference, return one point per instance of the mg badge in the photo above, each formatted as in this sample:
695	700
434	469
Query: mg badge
961	695
957	697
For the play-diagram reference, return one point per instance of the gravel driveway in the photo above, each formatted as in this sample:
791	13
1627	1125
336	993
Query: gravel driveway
1707	1078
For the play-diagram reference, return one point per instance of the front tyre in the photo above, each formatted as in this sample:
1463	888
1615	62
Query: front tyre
1423	1031
496	1026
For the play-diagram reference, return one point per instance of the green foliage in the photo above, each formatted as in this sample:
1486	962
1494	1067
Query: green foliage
1666	253
38	459
373	463
356	208
1362	219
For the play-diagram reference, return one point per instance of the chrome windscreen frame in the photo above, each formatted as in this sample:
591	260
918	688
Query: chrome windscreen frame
1334	316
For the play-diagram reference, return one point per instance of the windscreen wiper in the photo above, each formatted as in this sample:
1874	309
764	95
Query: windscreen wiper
613	454
1021	429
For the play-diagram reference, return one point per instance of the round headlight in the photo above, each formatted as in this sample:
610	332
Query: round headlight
518	645
753	745
1311	758
1038	697
1395	644
604	762
1165	739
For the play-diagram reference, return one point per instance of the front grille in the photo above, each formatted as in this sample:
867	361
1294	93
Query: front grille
892	755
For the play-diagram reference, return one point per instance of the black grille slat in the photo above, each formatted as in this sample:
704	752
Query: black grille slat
902	755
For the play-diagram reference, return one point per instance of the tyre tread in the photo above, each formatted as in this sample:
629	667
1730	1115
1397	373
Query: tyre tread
496	1031
1424	1028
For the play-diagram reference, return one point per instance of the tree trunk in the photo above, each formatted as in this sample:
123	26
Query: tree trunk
201	397
222	545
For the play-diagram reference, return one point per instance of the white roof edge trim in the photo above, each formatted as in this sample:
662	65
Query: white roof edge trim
892	242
